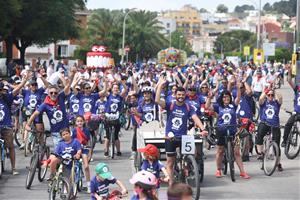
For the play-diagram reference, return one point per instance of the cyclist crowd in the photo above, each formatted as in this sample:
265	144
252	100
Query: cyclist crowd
75	100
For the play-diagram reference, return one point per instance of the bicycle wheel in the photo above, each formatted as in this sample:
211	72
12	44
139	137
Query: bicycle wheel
53	190
292	147
271	158
64	189
101	132
32	168
224	164
230	154
26	146
42	169
192	178
128	121
112	141
137	161
245	146
1	162
18	137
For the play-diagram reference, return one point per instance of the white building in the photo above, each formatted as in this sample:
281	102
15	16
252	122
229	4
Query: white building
168	24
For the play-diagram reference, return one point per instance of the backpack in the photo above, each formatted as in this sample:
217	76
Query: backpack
173	104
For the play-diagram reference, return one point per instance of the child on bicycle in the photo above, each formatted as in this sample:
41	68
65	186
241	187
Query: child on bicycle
152	164
100	183
65	150
82	134
180	191
144	185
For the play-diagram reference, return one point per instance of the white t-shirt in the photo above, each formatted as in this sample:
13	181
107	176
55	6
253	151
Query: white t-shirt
258	85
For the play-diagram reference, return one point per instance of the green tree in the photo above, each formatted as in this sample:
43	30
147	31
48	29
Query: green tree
243	8
222	8
285	7
203	10
179	41
281	55
42	22
232	45
267	7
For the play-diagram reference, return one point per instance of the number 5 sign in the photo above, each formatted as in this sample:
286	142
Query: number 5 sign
187	144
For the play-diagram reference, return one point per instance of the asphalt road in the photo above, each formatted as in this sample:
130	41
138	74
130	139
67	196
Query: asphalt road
281	185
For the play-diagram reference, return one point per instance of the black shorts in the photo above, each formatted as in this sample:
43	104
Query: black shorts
116	124
171	146
220	135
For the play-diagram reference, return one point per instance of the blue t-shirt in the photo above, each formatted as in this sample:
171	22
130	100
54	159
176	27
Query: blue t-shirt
100	106
154	168
5	109
87	103
244	109
101	187
149	111
114	104
226	116
177	118
73	104
269	112
195	103
67	151
170	99
297	101
136	197
57	114
33	99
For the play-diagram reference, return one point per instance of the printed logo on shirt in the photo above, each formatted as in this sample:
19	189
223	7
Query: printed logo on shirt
149	117
298	101
226	118
57	117
2	115
75	107
32	102
87	107
270	112
176	123
114	107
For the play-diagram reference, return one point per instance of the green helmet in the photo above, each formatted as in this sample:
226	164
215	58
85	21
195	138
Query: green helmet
102	170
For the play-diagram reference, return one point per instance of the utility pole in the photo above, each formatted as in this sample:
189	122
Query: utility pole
258	28
297	24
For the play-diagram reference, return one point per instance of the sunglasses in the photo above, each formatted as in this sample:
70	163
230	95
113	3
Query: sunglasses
87	88
53	93
270	95
226	97
192	90
204	87
34	84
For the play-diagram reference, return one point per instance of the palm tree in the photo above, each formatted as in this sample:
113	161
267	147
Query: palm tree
143	34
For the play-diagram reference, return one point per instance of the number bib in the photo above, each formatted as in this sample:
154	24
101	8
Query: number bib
188	144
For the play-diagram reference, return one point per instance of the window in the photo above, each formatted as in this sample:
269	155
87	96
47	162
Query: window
168	25
62	50
168	31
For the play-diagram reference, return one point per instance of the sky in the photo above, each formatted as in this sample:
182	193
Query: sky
158	5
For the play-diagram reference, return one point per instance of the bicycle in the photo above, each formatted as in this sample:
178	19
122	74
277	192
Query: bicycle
292	147
245	135
4	153
115	195
206	119
111	119
59	187
76	177
185	166
40	155
270	153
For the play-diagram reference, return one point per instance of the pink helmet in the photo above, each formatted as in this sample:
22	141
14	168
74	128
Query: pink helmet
144	178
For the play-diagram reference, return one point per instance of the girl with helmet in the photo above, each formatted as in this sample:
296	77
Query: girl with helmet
144	186
151	163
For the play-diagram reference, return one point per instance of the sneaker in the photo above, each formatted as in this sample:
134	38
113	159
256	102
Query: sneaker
260	156
244	175
88	190
22	146
218	174
15	172
245	158
133	154
106	154
119	153
279	167
283	144
51	177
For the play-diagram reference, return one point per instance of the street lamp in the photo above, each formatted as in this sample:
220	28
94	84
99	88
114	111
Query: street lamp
180	41
124	27
232	38
259	21
221	48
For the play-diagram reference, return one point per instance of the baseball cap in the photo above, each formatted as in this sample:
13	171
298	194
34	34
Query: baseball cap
32	81
102	170
150	150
